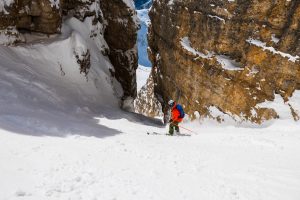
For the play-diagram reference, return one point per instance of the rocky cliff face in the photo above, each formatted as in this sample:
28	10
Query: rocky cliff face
112	20
228	56
122	24
32	15
146	103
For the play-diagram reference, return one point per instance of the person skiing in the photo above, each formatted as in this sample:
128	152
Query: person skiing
177	115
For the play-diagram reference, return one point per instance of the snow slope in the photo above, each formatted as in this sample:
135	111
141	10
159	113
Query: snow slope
42	90
217	163
142	74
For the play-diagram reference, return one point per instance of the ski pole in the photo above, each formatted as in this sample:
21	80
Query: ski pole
187	129
184	128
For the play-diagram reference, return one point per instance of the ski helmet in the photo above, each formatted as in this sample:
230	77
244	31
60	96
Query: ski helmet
171	103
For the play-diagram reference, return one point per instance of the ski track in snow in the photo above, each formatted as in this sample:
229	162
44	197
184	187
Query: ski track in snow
217	163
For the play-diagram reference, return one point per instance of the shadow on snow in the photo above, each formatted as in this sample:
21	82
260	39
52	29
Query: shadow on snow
60	124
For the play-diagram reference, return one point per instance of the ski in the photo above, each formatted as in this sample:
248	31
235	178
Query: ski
166	134
156	133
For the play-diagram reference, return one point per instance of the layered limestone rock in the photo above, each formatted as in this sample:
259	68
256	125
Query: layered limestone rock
229	56
33	15
122	24
112	22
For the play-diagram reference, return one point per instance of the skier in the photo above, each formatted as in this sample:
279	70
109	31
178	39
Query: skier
177	115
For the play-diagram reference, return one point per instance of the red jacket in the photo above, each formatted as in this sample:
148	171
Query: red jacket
175	114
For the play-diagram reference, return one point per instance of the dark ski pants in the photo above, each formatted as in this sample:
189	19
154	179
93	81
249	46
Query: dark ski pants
172	126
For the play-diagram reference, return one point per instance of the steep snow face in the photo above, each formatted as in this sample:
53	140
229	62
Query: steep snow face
143	38
142	74
214	163
43	88
142	41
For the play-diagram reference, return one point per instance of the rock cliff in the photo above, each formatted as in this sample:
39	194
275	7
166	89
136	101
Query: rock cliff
229	56
122	24
33	15
146	103
113	21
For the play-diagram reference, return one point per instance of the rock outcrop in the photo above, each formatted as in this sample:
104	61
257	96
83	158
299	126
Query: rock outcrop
111	20
33	15
146	103
122	24
226	55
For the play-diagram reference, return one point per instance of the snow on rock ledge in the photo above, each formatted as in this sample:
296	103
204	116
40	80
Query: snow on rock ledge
224	61
5	4
272	49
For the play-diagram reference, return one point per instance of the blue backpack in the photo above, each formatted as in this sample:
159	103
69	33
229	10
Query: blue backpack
181	111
